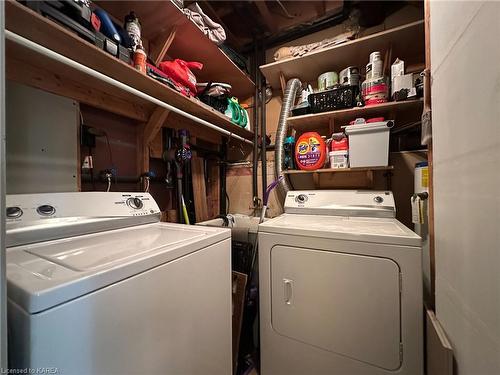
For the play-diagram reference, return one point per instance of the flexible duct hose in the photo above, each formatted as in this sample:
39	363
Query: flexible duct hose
292	87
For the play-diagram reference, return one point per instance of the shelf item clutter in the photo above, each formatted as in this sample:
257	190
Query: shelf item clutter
363	143
406	41
351	92
68	80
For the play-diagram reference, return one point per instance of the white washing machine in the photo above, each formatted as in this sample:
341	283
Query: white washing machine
340	287
97	285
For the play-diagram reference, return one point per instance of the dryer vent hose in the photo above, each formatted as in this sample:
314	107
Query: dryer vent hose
292	87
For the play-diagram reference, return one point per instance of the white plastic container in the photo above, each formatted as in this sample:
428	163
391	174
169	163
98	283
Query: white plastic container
369	144
339	159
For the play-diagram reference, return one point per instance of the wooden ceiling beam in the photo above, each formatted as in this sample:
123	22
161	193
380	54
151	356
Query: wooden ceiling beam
266	15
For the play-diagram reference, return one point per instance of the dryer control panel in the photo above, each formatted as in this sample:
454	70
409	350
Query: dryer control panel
365	203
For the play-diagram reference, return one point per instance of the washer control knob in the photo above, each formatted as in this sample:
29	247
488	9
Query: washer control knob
46	210
378	199
301	198
14	212
135	203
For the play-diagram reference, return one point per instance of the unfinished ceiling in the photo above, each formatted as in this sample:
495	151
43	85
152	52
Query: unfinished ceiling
246	20
277	21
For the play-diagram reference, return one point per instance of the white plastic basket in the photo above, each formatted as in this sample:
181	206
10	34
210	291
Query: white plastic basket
369	144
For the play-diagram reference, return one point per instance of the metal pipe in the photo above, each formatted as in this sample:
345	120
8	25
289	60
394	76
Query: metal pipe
263	154
292	87
94	73
255	126
222	184
118	179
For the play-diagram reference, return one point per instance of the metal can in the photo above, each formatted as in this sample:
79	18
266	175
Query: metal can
350	76
327	81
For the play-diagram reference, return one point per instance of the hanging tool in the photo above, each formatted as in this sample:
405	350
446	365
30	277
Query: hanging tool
168	156
177	155
182	155
184	211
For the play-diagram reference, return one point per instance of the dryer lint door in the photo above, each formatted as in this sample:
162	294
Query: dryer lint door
344	303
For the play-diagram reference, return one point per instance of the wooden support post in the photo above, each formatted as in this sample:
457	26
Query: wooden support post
369	179
331	125
199	189
316	179
142	152
283	84
200	197
386	69
213	189
156	146
154	124
146	135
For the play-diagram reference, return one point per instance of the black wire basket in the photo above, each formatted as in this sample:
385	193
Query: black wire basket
337	98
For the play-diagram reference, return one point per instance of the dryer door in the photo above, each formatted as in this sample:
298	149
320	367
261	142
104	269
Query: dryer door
344	303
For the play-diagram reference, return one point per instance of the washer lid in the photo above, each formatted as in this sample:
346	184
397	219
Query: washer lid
367	229
49	273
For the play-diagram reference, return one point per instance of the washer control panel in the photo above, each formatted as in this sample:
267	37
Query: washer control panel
135	203
24	208
341	203
14	212
46	210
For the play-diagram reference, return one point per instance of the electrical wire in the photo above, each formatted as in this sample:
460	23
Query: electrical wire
146	190
109	151
108	176
287	14
228	201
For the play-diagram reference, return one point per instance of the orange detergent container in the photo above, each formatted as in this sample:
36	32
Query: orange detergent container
310	151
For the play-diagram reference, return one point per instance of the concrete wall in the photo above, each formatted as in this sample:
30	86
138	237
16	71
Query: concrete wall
465	56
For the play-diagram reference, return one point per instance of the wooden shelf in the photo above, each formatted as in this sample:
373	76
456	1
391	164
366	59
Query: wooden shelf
406	110
346	178
407	42
340	170
159	18
26	66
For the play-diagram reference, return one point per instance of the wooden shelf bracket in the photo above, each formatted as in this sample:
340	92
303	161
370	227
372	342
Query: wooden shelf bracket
154	124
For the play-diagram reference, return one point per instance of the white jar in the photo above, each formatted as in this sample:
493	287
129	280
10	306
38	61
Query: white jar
375	66
339	159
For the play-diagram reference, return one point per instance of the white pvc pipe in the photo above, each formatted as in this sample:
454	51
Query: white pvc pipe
94	73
